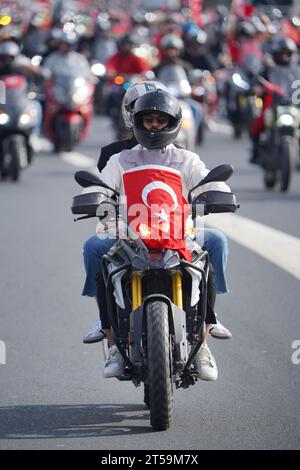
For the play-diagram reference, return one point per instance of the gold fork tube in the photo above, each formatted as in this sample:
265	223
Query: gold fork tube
177	289
136	290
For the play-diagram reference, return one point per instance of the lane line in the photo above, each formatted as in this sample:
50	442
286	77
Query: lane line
278	247
78	159
220	127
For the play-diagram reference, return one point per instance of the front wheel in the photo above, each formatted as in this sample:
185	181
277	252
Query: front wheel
287	161
15	157
270	179
159	366
237	130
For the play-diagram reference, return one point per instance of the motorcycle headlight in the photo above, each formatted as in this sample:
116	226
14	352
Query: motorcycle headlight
27	117
98	69
4	119
238	81
81	95
285	120
186	87
24	119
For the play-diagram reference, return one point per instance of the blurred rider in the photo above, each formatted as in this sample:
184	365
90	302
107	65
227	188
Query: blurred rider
284	70
124	61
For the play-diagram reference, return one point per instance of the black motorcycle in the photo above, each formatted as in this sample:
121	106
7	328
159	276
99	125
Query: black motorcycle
242	105
278	147
156	300
18	117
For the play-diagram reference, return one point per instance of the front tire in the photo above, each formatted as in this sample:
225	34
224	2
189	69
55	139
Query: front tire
270	179
159	370
15	157
287	161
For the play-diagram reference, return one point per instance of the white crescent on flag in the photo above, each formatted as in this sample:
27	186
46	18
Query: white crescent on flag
159	185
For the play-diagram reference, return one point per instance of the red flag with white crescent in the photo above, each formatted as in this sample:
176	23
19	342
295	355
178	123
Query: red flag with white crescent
156	207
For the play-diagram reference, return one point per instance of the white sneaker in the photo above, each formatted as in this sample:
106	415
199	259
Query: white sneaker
114	366
206	364
219	331
95	335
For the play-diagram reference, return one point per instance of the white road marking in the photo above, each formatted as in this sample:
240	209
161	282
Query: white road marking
220	127
78	159
278	247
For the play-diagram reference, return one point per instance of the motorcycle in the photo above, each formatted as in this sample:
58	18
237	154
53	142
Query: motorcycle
18	117
153	299
278	147
242	105
176	80
204	91
102	49
69	107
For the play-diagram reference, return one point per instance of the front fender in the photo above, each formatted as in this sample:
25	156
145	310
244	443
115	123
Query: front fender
177	327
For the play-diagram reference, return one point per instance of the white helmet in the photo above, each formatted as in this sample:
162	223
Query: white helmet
134	92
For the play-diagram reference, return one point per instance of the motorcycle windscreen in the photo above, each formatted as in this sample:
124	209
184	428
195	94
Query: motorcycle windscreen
156	208
176	79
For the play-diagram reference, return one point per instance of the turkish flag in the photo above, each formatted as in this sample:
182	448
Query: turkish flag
156	208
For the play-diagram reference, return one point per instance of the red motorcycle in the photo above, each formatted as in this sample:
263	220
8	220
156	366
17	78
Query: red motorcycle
69	107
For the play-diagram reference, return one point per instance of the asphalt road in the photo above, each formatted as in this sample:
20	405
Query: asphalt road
52	394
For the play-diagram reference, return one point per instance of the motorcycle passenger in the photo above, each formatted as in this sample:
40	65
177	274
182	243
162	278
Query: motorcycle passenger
282	50
155	131
172	47
124	61
215	241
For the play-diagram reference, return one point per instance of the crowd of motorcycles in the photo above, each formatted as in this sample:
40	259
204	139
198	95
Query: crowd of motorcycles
59	104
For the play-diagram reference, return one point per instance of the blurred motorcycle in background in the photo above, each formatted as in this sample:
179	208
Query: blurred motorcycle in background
18	118
69	108
176	80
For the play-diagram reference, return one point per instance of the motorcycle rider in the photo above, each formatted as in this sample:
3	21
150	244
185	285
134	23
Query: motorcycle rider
172	47
196	49
51	43
215	240
163	126
124	61
64	58
282	50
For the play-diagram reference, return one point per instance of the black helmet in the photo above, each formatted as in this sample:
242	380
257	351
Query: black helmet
282	49
161	102
127	39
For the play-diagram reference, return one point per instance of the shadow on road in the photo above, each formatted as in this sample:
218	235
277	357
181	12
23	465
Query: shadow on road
71	421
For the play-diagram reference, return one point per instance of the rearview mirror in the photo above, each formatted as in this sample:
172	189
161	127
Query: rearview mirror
219	173
86	179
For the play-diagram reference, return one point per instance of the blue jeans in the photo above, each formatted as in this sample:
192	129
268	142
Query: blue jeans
196	110
214	242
